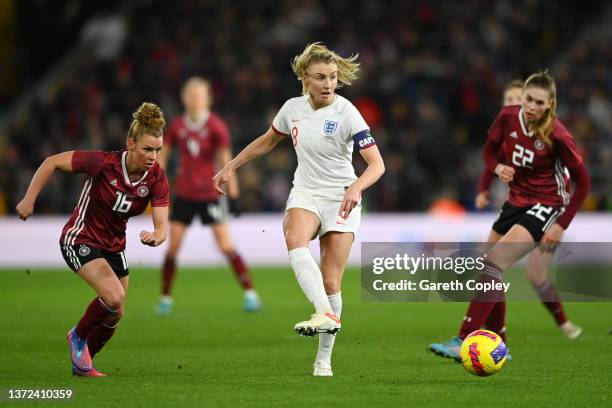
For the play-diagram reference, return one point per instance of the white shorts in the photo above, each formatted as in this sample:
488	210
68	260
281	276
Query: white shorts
326	206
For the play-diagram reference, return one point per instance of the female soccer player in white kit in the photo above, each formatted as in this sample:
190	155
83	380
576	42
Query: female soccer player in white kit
325	200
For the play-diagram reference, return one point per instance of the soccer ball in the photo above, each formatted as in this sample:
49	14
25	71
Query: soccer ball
483	353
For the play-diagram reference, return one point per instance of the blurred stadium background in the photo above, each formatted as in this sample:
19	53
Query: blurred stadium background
431	82
71	74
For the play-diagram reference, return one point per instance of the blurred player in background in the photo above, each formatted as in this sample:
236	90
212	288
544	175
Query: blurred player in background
537	265
118	185
539	208
325	200
512	96
203	142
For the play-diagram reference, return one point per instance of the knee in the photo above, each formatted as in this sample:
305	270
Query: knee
172	250
293	240
227	250
536	274
332	285
536	278
114	298
173	247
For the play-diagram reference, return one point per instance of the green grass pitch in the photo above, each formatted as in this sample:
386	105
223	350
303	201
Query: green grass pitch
210	353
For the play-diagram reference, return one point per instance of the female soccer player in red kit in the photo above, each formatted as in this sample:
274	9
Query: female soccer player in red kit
118	185
539	208
203	143
538	263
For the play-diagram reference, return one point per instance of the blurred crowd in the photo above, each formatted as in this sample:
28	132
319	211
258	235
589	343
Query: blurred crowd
432	74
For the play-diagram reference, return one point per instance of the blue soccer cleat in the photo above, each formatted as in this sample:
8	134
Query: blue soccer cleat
252	303
79	352
164	307
450	349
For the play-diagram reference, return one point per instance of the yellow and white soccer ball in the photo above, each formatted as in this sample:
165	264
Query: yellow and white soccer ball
483	353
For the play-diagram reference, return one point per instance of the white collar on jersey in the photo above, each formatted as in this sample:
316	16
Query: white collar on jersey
126	176
197	125
523	126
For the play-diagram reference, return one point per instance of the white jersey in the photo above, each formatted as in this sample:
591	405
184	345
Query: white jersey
323	141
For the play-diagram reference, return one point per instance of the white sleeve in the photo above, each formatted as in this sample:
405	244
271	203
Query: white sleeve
280	124
356	122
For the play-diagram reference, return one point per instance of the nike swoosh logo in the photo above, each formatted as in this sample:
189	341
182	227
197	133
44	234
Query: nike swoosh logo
333	317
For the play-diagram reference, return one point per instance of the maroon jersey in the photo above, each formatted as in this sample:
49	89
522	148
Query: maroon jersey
198	144
109	198
540	170
486	178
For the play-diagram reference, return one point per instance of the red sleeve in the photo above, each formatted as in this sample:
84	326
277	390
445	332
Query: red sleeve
490	153
89	162
582	184
159	196
222	133
565	146
486	178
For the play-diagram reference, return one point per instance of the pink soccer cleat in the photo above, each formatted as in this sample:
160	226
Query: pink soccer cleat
79	352
91	373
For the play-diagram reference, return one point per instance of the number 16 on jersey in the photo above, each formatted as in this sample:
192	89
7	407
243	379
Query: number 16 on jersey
122	204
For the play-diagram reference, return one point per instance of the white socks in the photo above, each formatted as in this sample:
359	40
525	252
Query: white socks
326	341
309	277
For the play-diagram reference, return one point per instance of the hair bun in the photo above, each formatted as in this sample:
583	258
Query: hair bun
150	115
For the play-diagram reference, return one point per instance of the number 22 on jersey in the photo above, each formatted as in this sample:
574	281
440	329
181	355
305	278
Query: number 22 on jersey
522	157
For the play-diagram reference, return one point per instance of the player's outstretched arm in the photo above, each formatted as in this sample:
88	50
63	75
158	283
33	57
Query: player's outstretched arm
484	184
375	169
224	156
160	225
61	161
257	148
582	186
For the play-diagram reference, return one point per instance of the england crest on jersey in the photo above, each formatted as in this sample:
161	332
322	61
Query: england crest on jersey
330	127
